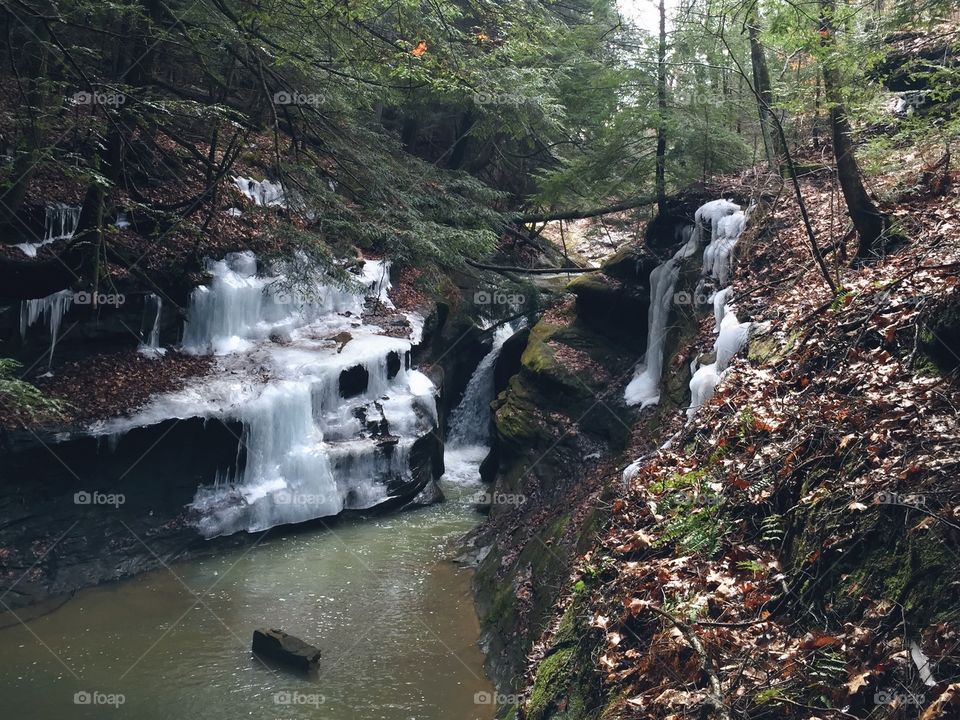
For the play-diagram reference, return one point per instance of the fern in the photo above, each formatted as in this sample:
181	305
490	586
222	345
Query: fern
24	400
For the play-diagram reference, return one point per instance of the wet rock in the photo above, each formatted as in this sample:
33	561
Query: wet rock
276	645
393	364
353	381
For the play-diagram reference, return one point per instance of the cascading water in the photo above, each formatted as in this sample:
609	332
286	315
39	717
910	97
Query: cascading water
468	435
470	420
330	411
60	222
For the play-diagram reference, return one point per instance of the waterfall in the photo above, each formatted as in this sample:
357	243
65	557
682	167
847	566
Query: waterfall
59	223
51	308
150	326
328	406
470	420
468	435
644	388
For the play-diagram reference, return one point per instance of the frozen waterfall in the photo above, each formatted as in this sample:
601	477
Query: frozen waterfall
644	388
329	407
51	308
60	222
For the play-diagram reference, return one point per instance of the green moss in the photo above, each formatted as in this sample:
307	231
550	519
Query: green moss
550	686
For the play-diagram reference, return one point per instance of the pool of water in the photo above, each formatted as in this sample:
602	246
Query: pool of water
392	615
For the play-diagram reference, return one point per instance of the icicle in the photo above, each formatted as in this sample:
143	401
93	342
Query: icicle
59	223
51	308
150	326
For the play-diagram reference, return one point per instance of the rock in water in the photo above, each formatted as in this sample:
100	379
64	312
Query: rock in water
287	649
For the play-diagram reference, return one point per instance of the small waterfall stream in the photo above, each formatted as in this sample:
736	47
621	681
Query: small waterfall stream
468	434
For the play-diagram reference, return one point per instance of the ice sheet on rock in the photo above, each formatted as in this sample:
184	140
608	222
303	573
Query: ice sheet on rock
310	451
720	300
239	307
644	388
731	339
711	213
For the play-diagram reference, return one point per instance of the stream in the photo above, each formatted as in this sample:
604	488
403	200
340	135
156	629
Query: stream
380	596
393	616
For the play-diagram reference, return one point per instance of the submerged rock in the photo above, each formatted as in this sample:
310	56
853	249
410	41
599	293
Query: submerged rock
286	649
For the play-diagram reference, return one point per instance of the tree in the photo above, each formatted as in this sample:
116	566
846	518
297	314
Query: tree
871	224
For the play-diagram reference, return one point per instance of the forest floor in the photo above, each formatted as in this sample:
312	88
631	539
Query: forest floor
793	551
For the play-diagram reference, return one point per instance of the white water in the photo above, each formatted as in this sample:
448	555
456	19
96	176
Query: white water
310	452
60	222
468	436
644	388
470	420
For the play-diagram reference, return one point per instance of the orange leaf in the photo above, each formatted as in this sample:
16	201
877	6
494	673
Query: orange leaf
420	49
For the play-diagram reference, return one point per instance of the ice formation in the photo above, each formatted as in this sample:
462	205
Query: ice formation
150	327
262	192
330	408
644	388
731	339
60	222
726	221
51	308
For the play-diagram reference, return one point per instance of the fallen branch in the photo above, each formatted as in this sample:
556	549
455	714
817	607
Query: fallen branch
627	204
529	271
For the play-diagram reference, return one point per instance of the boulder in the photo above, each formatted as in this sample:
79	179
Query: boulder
276	645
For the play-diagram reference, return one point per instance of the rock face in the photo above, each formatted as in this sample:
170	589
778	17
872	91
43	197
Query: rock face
276	645
560	426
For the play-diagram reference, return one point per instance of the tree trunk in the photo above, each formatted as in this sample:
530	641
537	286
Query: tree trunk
32	69
661	181
870	223
761	81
